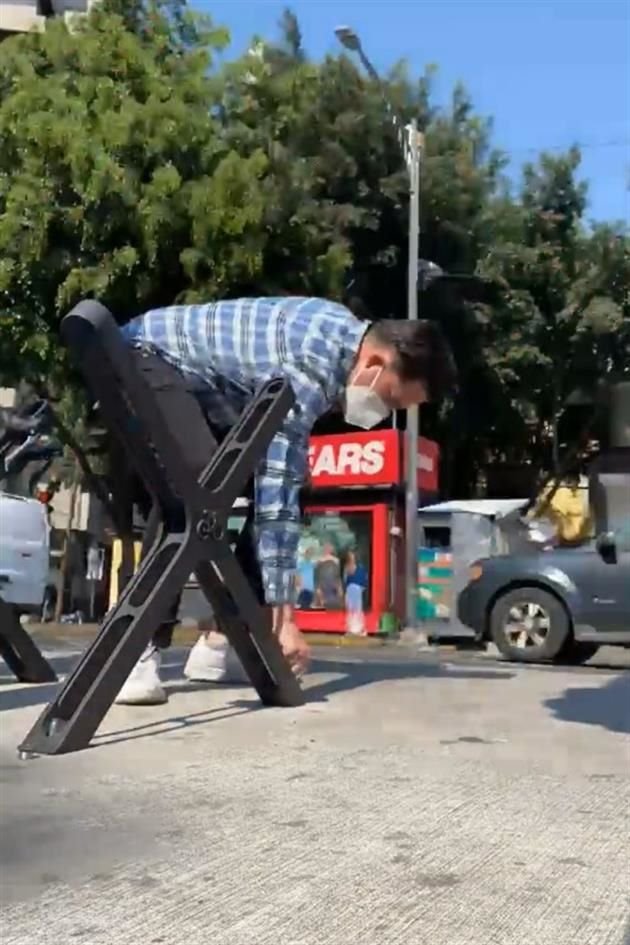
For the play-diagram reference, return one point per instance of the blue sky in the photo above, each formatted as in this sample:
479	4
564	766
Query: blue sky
550	72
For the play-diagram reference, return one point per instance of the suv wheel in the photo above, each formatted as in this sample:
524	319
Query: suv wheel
529	625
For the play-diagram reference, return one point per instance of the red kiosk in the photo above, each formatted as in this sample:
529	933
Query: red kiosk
355	505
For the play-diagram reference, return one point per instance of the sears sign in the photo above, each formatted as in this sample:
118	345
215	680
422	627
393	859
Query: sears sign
367	459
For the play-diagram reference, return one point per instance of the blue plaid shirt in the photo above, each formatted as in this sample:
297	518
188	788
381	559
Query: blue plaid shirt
229	349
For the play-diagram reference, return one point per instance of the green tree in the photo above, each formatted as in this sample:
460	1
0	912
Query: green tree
107	153
135	170
113	183
563	320
113	180
337	188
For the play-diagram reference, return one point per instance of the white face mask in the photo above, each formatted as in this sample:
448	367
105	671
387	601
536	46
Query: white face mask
364	407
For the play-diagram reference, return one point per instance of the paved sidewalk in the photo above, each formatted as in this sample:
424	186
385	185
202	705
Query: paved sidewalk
433	800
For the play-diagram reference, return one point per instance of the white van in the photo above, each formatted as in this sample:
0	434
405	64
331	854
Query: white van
24	552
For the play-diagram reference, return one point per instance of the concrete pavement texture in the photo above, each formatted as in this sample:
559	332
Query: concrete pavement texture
417	799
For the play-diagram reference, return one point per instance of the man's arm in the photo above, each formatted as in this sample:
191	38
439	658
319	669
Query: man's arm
278	483
279	479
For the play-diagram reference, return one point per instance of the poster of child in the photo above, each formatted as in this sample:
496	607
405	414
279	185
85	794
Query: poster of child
306	577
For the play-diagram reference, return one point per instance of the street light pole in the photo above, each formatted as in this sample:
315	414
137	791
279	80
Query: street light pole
413	414
411	142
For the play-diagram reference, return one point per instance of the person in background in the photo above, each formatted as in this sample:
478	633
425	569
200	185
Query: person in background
355	582
220	353
306	579
568	510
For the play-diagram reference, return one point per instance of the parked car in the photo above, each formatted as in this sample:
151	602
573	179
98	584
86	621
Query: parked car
24	553
561	604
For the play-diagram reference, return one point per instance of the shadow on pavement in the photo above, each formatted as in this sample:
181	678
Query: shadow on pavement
593	665
351	674
16	695
356	675
606	706
173	724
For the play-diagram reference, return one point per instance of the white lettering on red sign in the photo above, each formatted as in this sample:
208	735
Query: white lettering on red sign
347	459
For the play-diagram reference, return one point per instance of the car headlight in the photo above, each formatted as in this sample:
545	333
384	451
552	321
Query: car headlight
475	571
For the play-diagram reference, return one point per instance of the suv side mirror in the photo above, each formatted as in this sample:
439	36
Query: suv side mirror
607	547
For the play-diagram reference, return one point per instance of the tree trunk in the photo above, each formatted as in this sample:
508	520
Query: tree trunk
555	447
464	471
555	416
94	483
75	491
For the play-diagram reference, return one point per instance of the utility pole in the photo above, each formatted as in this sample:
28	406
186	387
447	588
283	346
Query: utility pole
412	145
413	413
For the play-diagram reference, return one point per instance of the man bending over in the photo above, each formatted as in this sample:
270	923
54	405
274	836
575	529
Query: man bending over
223	352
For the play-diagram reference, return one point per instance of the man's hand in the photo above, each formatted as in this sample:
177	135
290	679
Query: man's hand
294	647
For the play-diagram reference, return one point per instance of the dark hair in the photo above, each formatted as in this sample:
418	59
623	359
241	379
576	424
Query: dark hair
422	353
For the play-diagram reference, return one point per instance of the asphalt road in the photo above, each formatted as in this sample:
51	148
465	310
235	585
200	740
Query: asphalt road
432	799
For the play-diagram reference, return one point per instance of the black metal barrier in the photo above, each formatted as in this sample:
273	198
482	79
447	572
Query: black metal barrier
192	537
17	649
19	652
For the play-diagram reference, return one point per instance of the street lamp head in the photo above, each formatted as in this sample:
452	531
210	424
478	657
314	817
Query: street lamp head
348	38
428	272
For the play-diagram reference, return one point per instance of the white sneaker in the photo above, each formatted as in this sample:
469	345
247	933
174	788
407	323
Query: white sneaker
215	663
144	687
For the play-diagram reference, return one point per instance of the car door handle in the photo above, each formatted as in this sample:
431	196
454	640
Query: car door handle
26	554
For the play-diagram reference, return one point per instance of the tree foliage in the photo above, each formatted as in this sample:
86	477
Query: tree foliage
563	321
139	166
113	179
